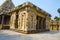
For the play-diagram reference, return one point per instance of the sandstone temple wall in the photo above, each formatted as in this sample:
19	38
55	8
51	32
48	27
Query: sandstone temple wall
12	20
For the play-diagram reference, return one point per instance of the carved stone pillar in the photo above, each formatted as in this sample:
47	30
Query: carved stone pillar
12	21
42	23
59	25
16	20
47	24
39	23
2	21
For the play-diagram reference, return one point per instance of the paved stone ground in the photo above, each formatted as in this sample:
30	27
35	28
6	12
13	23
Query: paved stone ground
11	35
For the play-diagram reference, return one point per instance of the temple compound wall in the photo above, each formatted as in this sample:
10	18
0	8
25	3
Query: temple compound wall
28	18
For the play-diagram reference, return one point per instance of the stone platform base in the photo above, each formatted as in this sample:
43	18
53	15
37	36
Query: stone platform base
29	32
0	27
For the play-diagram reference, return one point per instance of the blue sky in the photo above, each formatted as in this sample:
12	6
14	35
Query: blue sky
50	6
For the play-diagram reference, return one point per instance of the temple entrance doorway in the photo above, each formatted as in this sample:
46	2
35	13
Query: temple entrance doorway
38	26
6	21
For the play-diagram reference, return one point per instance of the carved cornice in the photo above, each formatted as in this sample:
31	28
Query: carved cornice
30	5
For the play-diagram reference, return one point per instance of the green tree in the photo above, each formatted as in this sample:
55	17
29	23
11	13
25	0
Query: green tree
57	18
59	12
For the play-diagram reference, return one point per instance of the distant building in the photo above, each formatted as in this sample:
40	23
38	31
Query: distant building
25	18
54	25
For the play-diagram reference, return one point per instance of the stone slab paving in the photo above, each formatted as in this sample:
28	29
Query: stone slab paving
11	35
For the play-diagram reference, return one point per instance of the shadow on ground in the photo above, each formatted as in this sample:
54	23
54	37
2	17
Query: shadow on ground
49	32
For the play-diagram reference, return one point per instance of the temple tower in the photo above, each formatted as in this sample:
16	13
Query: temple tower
4	14
8	4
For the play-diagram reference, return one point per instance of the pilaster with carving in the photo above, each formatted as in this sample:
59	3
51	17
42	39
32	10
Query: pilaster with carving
47	22
12	21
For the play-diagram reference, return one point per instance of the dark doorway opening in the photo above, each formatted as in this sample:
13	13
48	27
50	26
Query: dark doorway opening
38	26
0	19
5	27
57	27
6	21
16	22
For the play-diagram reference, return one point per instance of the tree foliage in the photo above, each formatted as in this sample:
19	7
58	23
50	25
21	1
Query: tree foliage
58	10
57	18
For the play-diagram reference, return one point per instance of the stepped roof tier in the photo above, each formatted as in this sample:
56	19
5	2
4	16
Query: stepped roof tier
6	6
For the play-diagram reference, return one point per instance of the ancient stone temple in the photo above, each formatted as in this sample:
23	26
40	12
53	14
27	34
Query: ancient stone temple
4	14
28	18
25	18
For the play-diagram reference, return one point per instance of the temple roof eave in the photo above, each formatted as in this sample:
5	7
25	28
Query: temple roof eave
30	5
